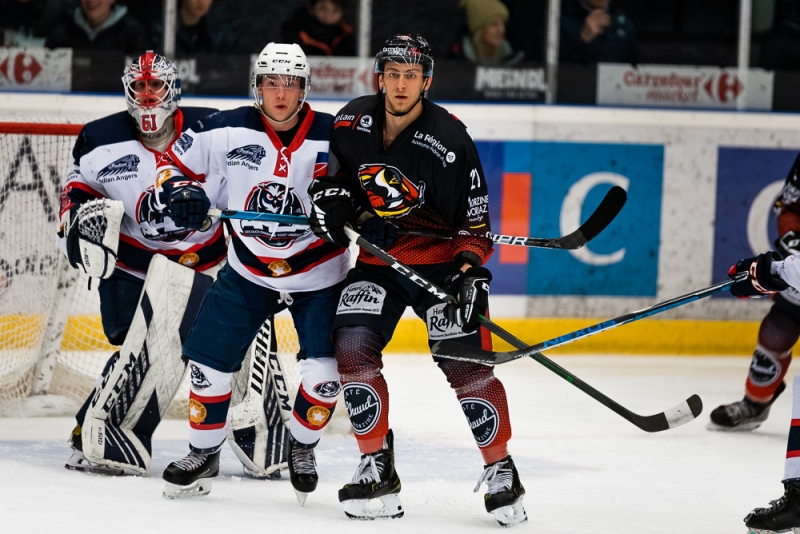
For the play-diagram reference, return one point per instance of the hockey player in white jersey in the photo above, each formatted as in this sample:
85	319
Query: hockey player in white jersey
112	224
768	275
262	158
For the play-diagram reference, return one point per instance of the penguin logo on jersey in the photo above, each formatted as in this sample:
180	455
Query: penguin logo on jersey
124	168
154	220
272	197
390	193
248	156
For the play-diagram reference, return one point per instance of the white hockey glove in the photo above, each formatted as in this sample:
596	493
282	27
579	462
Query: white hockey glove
93	236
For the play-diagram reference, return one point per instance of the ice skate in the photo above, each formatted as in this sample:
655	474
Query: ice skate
743	415
782	515
78	461
191	476
504	496
373	492
302	471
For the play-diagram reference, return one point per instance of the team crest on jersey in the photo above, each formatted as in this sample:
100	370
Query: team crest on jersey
183	143
248	156
199	380
154	220
390	193
272	197
363	406
482	418
124	168
327	389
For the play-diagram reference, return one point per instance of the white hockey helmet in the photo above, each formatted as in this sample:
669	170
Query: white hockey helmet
284	60
152	89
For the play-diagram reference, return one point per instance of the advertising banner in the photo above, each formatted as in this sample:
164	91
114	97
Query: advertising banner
342	77
35	69
682	86
748	182
549	189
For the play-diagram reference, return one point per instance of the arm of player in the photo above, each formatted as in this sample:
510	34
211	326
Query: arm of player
766	274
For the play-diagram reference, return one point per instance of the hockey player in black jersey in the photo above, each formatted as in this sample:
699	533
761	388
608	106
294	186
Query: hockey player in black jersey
407	163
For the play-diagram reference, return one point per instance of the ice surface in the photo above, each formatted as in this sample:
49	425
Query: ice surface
586	470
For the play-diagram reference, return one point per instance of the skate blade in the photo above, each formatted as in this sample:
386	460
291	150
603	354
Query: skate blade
197	489
301	497
386	507
510	516
744	427
79	462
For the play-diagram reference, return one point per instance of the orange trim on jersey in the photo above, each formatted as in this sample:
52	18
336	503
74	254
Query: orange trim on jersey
515	214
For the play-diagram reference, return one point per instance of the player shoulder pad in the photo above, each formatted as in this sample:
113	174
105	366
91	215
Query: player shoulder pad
320	127
112	129
363	105
243	117
193	114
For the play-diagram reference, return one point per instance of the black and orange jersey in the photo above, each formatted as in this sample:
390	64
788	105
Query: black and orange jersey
430	177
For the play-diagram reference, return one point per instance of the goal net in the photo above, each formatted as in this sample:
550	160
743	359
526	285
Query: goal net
51	338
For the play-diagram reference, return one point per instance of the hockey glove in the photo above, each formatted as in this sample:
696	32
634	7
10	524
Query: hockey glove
788	244
471	290
379	232
92	233
760	280
187	202
331	209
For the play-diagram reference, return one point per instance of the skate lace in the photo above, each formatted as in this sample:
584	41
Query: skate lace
369	470
303	460
191	462
497	478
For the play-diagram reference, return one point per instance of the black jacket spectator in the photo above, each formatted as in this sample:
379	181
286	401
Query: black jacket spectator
117	32
197	35
616	43
317	38
27	23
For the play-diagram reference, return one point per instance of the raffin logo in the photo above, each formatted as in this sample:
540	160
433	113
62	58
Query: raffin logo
20	68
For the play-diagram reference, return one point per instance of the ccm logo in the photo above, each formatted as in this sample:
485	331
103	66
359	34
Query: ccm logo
332	192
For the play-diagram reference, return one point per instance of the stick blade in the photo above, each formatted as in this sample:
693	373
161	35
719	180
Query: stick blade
608	209
679	415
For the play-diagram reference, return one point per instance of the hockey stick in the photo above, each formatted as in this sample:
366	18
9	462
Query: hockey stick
456	351
679	415
608	209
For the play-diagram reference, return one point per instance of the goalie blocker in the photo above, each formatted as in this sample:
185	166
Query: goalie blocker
140	381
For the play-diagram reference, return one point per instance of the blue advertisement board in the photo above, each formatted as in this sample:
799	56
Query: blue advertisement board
568	181
748	181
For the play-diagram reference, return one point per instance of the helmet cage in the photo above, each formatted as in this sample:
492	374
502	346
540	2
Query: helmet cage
288	62
148	110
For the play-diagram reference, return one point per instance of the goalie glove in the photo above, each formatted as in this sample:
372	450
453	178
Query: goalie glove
92	233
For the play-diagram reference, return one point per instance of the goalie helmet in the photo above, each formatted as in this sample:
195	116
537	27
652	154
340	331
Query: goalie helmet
283	60
152	89
407	49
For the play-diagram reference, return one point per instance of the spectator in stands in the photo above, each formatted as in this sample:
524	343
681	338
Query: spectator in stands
99	25
485	43
319	30
594	31
27	22
197	36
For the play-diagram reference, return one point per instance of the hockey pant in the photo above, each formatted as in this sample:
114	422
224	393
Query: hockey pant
366	396
139	382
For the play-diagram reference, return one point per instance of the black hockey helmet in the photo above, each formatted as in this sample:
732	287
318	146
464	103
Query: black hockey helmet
408	49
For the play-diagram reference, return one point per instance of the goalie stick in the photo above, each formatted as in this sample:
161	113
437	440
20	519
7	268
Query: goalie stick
608	209
676	416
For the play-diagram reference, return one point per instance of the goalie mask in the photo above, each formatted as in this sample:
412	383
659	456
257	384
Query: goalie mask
281	66
152	89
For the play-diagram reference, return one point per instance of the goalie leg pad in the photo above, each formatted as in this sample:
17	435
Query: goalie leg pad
209	400
135	394
315	400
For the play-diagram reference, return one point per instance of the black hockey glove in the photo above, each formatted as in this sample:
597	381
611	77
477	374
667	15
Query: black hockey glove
187	201
760	280
331	209
379	232
788	244
471	290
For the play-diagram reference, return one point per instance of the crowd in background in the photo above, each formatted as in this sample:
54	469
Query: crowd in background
485	32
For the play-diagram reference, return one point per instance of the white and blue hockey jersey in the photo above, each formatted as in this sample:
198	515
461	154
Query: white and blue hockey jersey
238	153
109	161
